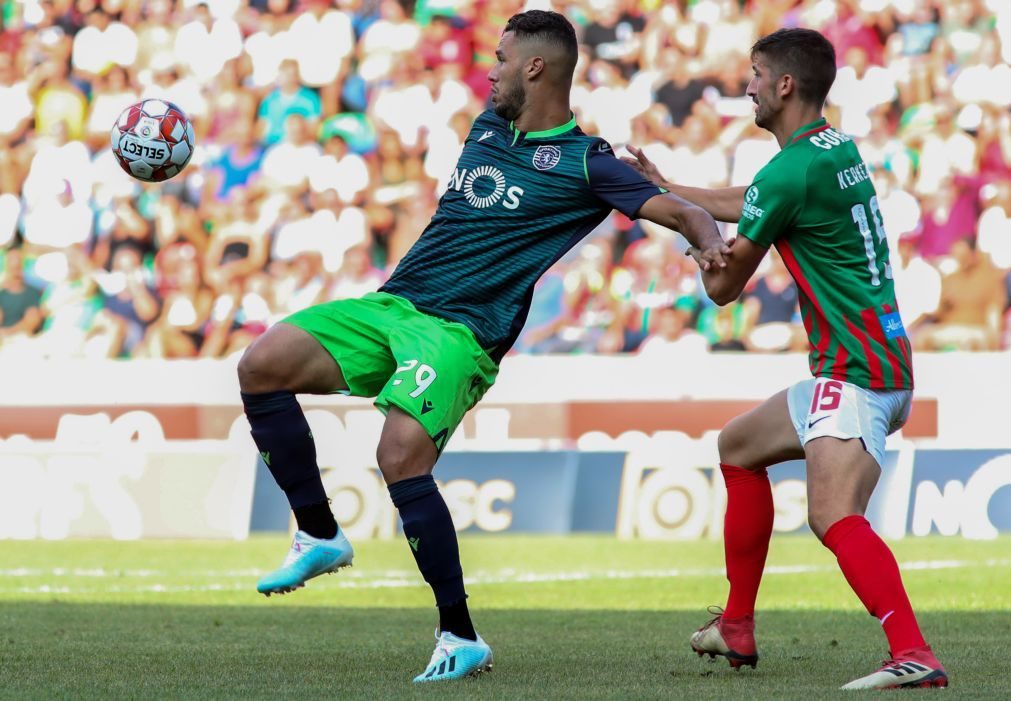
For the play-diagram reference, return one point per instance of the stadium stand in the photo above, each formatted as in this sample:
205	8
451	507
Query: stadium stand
327	130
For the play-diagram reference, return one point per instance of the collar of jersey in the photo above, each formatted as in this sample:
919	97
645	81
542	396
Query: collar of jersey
815	126
568	126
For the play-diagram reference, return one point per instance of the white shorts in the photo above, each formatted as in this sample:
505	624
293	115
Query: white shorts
823	407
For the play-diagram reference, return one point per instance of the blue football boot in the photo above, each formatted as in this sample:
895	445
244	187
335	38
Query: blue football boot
456	658
309	557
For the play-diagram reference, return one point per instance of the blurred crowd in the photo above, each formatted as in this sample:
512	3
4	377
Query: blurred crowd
326	130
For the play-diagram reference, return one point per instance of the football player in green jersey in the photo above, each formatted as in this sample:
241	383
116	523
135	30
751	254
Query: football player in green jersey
815	202
528	186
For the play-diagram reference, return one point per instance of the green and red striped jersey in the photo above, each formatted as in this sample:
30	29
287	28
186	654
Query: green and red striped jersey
815	202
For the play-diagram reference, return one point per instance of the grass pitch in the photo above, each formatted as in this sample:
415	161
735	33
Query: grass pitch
568	618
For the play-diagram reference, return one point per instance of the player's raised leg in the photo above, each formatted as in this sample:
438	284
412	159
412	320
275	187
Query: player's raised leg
841	475
406	457
286	360
747	526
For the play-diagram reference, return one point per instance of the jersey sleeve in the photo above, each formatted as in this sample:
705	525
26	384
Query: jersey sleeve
772	203
614	182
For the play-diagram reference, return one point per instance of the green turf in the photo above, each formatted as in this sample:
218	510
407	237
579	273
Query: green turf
568	618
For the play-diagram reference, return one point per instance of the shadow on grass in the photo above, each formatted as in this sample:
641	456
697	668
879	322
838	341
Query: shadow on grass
102	651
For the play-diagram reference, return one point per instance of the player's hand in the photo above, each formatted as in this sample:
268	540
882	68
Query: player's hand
714	255
645	167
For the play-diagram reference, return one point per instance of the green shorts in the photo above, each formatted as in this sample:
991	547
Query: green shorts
428	367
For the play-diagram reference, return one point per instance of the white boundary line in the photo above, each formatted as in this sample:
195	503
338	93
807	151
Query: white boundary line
395	579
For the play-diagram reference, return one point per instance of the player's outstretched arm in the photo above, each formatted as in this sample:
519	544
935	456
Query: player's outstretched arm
694	223
725	285
723	204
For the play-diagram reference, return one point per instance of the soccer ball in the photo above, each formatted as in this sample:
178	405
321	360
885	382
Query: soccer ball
152	140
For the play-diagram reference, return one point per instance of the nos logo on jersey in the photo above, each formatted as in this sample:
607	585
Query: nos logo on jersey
484	187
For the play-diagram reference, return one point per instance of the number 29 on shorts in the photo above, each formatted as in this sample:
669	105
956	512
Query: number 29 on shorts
424	376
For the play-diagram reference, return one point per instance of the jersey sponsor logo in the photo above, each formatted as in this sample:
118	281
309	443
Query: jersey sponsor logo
892	325
486	135
547	157
484	187
750	210
603	147
828	139
490	177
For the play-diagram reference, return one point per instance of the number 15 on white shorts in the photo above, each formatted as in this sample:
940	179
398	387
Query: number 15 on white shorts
824	407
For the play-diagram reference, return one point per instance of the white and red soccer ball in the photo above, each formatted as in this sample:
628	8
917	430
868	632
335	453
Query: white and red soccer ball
152	140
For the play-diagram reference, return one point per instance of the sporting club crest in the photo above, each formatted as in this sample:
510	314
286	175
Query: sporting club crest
547	157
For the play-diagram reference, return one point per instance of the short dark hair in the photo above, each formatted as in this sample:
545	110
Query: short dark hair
806	55
546	26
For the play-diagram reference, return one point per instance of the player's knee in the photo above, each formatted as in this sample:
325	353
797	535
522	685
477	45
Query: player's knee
731	446
248	370
405	449
397	461
820	519
724	444
259	370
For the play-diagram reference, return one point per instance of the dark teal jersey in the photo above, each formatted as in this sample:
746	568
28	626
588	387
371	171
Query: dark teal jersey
515	204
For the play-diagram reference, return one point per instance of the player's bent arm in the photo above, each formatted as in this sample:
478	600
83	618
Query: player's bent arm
693	222
723	204
725	285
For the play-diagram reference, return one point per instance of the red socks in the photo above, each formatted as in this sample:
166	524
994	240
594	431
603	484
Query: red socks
747	528
872	572
865	560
